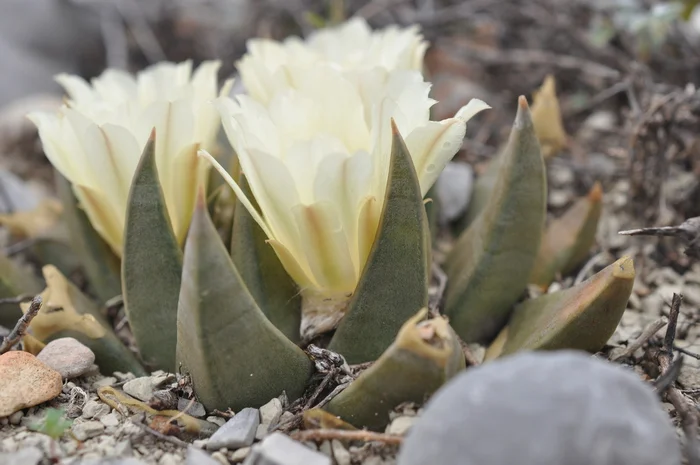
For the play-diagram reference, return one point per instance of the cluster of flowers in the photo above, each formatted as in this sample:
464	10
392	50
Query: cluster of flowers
312	135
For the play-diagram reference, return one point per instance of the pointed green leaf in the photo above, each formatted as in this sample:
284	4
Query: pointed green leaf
582	317
236	357
424	356
67	312
101	265
273	290
567	241
491	262
15	281
394	283
151	266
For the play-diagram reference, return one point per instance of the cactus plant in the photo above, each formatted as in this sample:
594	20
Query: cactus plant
328	240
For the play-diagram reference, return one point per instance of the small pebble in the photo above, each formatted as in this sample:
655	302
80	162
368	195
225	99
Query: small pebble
220	458
141	388
109	420
16	417
108	381
194	408
95	409
87	429
279	449
238	432
261	432
270	413
67	356
25	382
24	456
240	454
340	453
562	407
216	420
197	456
169	459
401	425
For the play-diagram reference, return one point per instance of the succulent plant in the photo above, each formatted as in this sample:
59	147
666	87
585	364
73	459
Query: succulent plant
326	239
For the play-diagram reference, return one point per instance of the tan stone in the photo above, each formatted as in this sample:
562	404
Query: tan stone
25	382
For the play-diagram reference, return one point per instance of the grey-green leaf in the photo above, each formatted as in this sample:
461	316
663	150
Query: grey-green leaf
491	262
394	283
235	356
273	290
151	266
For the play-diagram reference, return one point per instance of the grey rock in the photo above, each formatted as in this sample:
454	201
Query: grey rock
240	454
87	429
271	412
261	431
106	381
142	388
278	449
68	357
195	410
454	190
24	456
216	420
95	409
543	408
114	461
340	453
238	432
198	457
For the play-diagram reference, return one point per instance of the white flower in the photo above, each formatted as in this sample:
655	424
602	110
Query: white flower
97	137
317	158
349	47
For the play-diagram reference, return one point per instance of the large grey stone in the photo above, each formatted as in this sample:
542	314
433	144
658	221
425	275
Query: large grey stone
278	449
238	432
543	408
67	356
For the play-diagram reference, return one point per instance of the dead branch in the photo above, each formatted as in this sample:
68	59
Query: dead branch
647	333
21	327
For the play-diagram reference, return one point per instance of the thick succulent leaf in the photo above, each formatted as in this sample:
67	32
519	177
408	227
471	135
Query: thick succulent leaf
235	356
394	282
582	317
491	261
567	240
101	265
67	312
546	116
151	266
273	290
15	281
424	356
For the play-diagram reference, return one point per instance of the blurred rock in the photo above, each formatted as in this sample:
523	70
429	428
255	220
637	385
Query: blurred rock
238	432
543	408
454	189
278	449
25	382
67	356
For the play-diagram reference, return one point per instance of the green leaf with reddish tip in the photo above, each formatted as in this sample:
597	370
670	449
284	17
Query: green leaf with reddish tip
273	290
567	241
491	262
583	317
394	283
67	312
15	281
101	265
423	357
151	266
235	356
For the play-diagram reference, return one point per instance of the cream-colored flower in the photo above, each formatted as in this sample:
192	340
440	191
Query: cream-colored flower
349	47
317	158
97	137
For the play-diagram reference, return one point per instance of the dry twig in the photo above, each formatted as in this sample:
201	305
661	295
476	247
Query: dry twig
21	326
647	333
685	411
345	435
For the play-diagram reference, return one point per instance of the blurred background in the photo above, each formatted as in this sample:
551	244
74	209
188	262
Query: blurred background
626	72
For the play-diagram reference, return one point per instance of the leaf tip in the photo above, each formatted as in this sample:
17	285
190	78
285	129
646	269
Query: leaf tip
595	195
394	129
523	118
152	136
624	268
